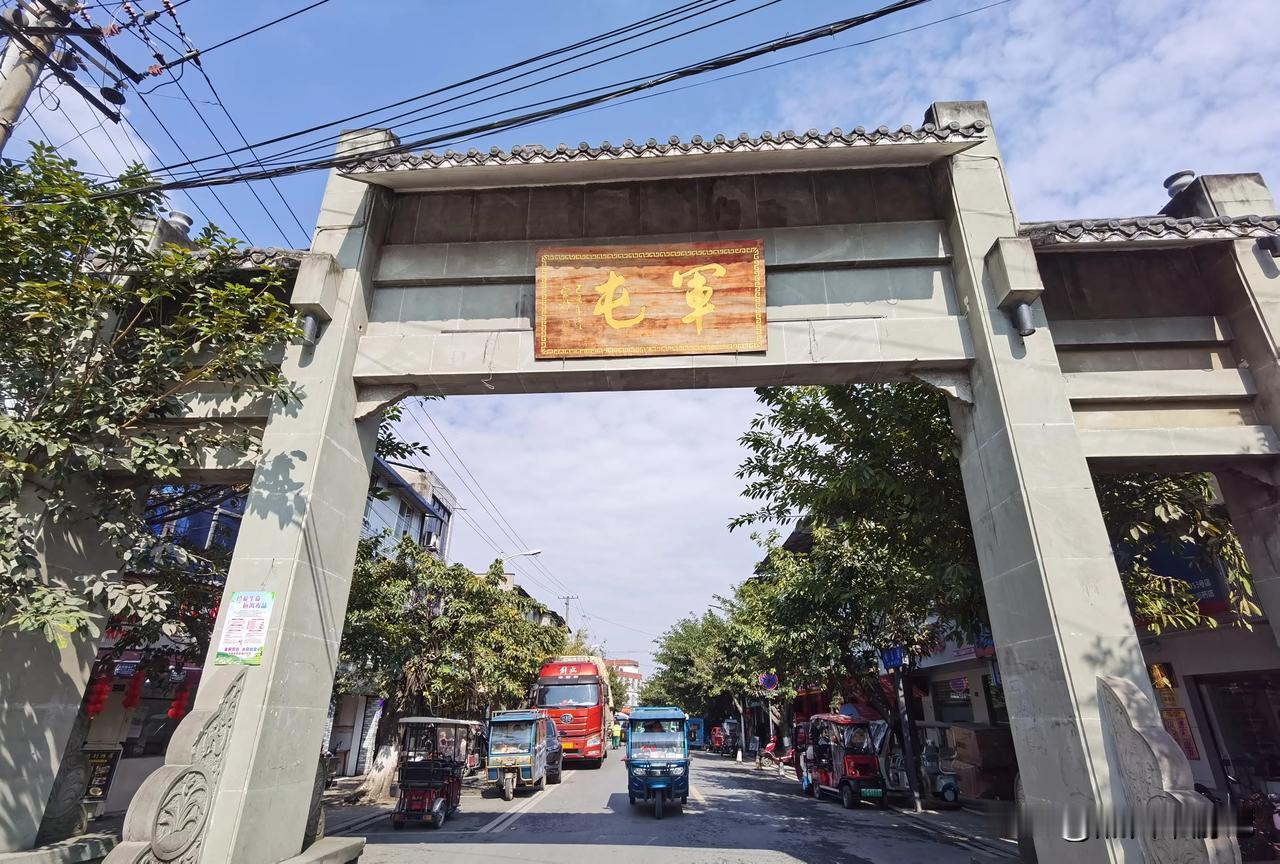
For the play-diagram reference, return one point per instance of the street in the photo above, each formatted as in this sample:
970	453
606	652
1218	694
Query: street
735	814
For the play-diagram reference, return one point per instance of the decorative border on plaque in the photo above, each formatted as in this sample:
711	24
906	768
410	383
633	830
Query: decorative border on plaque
755	250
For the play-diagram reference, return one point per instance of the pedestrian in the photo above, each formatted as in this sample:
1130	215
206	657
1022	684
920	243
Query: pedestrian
616	734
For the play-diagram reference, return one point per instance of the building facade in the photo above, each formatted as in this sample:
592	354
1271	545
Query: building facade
629	672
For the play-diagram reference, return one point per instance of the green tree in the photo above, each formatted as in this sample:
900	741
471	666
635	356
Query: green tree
104	336
879	464
437	637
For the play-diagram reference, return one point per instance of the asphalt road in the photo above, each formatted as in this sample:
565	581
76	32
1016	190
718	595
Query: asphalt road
734	814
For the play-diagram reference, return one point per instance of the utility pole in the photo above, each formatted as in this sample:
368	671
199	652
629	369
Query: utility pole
20	68
567	599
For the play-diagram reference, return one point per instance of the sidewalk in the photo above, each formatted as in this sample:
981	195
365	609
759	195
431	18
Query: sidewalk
985	826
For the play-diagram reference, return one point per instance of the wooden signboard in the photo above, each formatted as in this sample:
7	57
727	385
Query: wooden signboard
639	301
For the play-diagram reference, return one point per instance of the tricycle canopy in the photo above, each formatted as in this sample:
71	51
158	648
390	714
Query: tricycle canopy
657	733
513	732
436	738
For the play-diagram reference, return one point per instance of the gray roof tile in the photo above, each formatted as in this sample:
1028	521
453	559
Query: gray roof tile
1139	229
530	154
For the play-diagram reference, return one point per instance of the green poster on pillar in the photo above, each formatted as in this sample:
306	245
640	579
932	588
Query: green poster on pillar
244	630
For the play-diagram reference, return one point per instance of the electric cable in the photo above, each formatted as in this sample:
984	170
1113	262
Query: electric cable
512	532
216	197
516	121
416	114
481	498
479	77
142	33
239	36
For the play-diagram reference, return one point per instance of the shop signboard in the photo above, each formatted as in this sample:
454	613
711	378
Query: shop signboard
650	300
126	668
1178	726
244	633
102	770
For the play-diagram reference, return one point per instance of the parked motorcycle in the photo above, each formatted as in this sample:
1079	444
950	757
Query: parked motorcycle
774	755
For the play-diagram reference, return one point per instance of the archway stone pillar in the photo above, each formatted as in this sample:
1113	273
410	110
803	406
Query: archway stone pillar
1058	612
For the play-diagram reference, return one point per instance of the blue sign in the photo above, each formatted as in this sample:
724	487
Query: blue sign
892	658
769	681
126	668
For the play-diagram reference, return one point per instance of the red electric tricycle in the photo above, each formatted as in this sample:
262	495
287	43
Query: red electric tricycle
433	758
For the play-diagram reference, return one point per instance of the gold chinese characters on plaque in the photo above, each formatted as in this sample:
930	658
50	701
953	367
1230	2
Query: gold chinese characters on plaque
634	301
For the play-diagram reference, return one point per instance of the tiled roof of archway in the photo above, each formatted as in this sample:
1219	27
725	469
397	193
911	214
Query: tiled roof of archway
1149	228
697	145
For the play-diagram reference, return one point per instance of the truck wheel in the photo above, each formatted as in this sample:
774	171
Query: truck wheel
847	799
657	805
508	787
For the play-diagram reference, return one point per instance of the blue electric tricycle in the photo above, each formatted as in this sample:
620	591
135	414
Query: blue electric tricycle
658	757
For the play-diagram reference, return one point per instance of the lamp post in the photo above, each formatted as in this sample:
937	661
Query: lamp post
528	552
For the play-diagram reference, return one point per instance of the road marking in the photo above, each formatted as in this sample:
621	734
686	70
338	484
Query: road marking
696	794
506	819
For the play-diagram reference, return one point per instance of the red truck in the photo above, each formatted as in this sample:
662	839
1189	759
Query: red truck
574	691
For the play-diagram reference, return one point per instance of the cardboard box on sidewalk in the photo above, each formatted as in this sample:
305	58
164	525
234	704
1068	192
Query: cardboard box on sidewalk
985	746
985	782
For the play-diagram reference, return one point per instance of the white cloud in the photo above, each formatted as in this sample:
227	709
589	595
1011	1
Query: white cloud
1094	103
628	494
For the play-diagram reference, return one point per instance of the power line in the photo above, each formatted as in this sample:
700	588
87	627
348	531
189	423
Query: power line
305	233
691	70
512	532
181	34
417	114
475	78
790	60
478	494
192	55
169	135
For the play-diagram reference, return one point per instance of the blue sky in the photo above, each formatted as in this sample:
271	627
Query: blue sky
1094	102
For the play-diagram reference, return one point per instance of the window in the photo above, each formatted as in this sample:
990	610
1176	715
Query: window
568	695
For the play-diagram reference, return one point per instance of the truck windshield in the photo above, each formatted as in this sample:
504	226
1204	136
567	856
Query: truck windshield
657	739
568	695
510	737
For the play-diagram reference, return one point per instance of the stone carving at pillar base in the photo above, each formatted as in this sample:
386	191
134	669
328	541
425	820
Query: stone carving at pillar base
169	815
1157	783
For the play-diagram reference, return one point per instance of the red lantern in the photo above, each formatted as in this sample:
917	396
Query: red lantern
133	694
99	693
178	707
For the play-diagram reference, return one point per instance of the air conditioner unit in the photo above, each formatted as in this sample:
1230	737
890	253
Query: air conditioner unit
431	540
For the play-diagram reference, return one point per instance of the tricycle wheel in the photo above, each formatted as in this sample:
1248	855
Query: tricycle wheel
684	799
399	826
847	800
439	818
657	804
555	778
508	787
542	782
632	799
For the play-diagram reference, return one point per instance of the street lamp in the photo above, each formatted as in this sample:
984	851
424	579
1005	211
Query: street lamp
529	552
